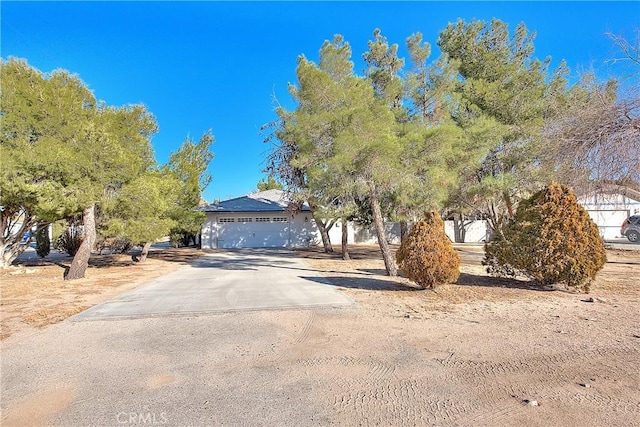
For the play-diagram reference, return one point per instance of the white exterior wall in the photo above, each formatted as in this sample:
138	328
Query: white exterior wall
359	235
475	231
297	231
608	211
304	232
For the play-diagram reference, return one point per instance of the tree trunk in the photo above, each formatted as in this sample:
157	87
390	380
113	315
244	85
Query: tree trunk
345	240
404	230
324	231
509	203
145	252
12	247
81	259
459	230
389	263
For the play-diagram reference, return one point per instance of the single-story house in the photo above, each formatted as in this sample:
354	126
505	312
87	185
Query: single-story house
268	219
259	220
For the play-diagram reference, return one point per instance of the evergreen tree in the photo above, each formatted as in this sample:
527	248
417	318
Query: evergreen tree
43	243
498	78
140	212
269	184
551	239
61	150
190	164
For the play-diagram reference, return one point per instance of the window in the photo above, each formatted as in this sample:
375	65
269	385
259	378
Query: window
226	220
244	220
276	219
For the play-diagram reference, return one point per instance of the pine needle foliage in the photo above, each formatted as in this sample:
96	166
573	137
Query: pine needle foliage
426	256
551	239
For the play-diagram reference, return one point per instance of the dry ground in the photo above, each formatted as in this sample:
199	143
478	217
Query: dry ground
34	294
483	351
620	279
476	353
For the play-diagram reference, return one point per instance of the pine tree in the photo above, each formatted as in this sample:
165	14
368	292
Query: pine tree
43	243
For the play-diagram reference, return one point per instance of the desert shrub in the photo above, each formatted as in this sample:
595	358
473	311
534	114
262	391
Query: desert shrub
551	239
117	244
69	241
43	243
426	255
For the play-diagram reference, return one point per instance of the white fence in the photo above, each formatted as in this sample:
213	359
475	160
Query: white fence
469	232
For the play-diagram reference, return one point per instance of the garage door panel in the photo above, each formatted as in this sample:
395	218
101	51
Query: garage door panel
254	232
276	235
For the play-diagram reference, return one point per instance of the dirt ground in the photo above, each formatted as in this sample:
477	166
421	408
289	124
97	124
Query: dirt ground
481	352
487	351
34	294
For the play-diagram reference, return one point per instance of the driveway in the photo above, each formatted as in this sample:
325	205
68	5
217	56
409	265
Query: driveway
200	346
400	358
248	279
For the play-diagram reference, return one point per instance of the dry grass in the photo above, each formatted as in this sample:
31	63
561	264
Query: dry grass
34	294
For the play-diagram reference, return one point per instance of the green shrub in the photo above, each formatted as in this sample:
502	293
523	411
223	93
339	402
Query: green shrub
117	244
43	243
551	239
69	241
426	255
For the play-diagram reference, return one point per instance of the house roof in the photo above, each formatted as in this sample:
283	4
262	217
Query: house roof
262	201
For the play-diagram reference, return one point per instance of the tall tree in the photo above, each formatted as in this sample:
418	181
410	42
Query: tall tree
346	137
140	211
499	78
352	142
305	136
61	149
119	150
44	119
269	184
190	163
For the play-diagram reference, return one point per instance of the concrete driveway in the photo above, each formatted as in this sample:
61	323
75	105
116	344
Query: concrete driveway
152	356
247	279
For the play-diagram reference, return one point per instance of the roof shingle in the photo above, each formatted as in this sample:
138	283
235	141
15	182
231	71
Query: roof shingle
263	201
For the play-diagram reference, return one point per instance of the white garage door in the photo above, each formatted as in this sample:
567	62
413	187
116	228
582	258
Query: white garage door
609	221
253	232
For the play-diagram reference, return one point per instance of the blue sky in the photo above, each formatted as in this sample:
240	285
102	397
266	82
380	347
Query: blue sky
221	65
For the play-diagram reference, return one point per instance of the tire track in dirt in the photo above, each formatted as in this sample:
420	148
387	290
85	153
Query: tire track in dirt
497	414
544	364
376	396
401	402
557	376
498	411
338	370
301	337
